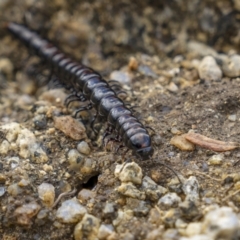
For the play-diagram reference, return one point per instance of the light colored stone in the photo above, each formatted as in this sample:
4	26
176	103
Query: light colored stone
104	231
12	131
190	188
71	211
231	66
83	148
28	147
120	76
87	228
4	147
6	67
85	195
129	190
209	70
197	237
75	159
129	172
55	96
193	228
26	212
221	223
152	190
14	190
123	217
172	87
216	159
46	193
170	200
232	117
201	49
2	191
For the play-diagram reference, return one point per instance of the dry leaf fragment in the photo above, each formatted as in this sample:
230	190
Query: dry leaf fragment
211	144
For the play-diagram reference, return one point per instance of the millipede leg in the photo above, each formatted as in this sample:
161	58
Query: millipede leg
92	124
88	107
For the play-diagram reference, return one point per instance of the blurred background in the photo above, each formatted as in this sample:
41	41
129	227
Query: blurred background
97	30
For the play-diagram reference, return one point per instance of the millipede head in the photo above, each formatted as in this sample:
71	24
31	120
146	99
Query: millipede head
140	143
145	153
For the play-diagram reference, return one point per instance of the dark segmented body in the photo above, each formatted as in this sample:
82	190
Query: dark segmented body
89	85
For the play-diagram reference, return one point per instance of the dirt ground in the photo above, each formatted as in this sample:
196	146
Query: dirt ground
155	50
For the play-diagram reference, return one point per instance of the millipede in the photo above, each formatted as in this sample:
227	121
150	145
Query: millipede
88	85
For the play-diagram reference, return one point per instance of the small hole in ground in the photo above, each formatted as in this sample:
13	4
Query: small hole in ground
91	183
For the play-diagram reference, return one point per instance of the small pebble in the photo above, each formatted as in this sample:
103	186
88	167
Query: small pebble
122	77
158	140
23	183
12	129
26	212
172	87
232	118
47	168
139	207
123	217
193	228
71	211
28	147
40	122
197	237
3	178
129	190
14	190
6	67
4	147
75	159
154	234
209	70
55	96
42	214
189	209
181	223
104	231
109	210
85	195
190	188
201	48
216	159
87	228
154	216
170	200
230	66
181	143
152	190
13	161
170	217
70	127
2	191
46	193
147	71
221	223
89	167
132	64
83	148
175	131
129	172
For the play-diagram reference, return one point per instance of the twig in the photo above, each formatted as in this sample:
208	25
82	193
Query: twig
64	195
204	174
231	195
